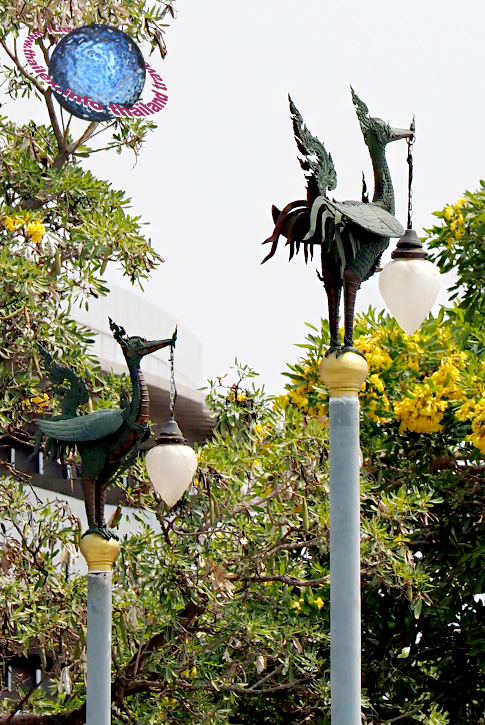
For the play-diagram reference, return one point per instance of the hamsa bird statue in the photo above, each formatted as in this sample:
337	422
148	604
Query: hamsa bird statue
105	437
352	235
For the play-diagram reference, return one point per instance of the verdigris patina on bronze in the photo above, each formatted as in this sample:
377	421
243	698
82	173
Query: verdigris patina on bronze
105	437
352	234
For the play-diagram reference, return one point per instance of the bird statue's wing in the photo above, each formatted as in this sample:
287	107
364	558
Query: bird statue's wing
316	162
89	427
371	217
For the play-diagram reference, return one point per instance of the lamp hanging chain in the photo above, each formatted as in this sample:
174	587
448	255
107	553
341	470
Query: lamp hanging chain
410	143
173	389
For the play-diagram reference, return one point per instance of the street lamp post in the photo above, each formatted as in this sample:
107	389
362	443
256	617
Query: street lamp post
351	236
344	376
100	555
103	440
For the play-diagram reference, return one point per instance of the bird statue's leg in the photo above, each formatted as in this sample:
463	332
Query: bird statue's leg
333	291
96	525
89	490
333	287
351	285
102	529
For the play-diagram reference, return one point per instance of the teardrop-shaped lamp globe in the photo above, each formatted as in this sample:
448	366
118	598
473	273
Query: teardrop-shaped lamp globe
171	468
409	288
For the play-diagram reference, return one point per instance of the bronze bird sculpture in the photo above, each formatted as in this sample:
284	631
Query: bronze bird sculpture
105	437
352	235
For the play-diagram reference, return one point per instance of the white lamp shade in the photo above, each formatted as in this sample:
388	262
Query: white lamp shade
409	288
171	467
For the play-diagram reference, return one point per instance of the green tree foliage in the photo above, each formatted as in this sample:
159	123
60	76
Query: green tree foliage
222	616
59	225
221	613
457	246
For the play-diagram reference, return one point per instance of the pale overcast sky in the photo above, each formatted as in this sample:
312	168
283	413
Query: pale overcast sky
224	150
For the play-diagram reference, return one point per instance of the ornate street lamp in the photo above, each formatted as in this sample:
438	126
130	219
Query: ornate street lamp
103	440
409	284
351	237
171	464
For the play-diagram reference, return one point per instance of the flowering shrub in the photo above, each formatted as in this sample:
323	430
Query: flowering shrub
456	245
424	383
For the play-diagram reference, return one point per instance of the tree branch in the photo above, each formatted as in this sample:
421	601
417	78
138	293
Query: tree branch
125	683
74	717
26	74
267	690
85	137
401	717
290	581
290	546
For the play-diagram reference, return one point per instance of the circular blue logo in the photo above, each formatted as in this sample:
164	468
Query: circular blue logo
97	62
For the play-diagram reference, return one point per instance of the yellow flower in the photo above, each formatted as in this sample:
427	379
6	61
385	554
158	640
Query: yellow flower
422	413
377	382
319	602
298	399
38	402
466	410
376	356
12	223
241	397
413	363
282	400
35	229
475	411
448	212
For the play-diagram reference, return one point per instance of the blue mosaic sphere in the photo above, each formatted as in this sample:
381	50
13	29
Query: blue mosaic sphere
100	65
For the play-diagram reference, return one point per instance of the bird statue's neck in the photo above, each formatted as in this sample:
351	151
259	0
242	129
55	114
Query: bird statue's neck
383	188
140	402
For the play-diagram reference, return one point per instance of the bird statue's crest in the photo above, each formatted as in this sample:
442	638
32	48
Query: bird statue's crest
119	333
123	339
315	159
362	111
368	124
135	344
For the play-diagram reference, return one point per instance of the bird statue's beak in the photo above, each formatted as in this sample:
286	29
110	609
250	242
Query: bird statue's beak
154	345
398	133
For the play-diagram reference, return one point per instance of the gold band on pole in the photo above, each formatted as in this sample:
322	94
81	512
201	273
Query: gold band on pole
343	375
99	553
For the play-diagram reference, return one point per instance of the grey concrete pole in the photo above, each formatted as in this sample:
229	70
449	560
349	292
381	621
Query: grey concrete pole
345	648
100	555
98	695
344	376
